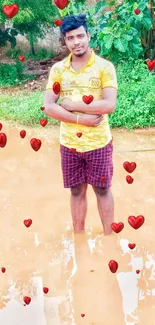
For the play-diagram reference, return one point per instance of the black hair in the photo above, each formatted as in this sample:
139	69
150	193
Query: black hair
73	22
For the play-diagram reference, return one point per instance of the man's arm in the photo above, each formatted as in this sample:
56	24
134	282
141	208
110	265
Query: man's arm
56	111
104	106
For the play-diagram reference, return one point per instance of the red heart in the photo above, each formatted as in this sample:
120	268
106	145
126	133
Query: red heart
43	122
113	266
23	134
73	150
136	222
137	271
131	246
45	290
35	144
42	108
79	134
151	64
27	222
3	140
129	167
129	179
82	315
1	125
10	10
56	88
137	11
27	300
21	58
117	227
88	99
58	22
102	178
3	269
61	4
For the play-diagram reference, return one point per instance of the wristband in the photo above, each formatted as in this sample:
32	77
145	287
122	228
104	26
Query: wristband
77	121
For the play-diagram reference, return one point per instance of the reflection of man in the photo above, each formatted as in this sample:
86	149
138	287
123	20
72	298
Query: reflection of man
84	127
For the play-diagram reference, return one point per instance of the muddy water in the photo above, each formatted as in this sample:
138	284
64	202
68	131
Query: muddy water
74	267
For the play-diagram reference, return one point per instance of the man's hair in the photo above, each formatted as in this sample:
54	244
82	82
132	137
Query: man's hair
73	22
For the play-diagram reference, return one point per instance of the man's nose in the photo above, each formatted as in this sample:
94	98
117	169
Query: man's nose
76	41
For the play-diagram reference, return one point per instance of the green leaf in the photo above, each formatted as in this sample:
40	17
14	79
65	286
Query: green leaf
108	41
132	31
106	30
129	37
100	6
137	48
121	44
147	22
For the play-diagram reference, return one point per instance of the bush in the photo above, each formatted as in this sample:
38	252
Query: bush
40	54
12	75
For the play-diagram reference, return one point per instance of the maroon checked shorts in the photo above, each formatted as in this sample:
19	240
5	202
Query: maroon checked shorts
93	167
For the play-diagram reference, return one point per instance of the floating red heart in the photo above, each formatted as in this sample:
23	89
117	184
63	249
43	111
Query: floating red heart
42	108
56	88
61	4
131	246
117	227
21	57
10	10
88	99
3	269
45	290
151	64
137	271
73	150
79	134
82	315
27	222
129	179
43	122
102	178
23	134
136	222
137	11
58	22
129	167
3	140
27	300
1	125
35	144
113	266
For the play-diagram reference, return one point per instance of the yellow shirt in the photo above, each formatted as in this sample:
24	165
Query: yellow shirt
97	74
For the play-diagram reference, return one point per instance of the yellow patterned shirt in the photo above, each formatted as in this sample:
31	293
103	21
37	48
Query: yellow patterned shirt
97	74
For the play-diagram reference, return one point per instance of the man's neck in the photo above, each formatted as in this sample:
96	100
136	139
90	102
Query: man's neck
83	58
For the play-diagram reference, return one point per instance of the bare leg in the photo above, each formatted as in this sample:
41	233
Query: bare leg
79	211
105	205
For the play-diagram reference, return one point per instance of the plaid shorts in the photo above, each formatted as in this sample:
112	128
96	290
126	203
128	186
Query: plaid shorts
93	167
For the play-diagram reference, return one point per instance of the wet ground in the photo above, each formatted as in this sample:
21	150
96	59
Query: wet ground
74	267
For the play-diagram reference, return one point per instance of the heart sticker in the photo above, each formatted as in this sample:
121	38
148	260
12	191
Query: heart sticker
27	300
23	134
102	178
27	222
137	271
3	269
56	88
45	290
82	315
88	99
113	266
136	222
129	179
35	144
21	58
117	227
1	125
129	167
43	122
72	150
58	22
61	4
131	246
79	134
42	108
3	140
10	10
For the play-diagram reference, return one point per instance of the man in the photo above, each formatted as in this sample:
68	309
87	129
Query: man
85	138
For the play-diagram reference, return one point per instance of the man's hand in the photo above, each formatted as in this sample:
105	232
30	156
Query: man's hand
67	104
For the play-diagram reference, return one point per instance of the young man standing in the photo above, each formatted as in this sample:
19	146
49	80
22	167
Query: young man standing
85	138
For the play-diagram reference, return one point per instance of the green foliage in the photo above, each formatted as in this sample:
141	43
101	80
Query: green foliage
11	75
40	54
8	35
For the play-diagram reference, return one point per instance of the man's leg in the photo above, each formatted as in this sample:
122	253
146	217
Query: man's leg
79	206
105	203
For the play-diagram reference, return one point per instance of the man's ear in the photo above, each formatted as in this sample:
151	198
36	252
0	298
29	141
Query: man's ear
89	37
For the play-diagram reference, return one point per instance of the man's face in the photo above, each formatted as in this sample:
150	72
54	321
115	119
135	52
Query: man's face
77	41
